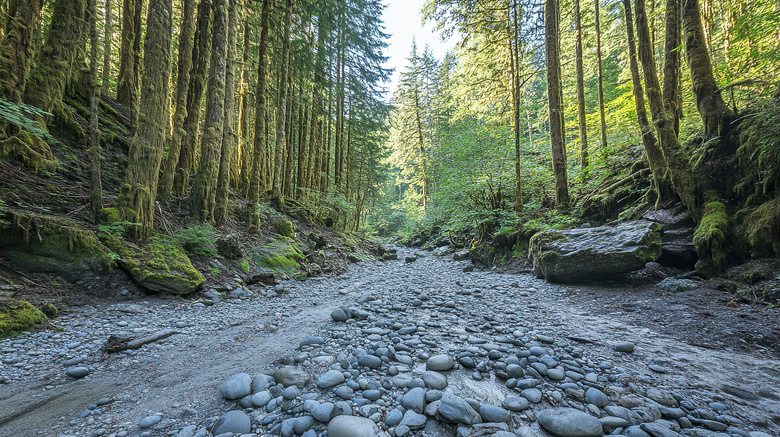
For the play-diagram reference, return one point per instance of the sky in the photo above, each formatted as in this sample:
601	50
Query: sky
403	21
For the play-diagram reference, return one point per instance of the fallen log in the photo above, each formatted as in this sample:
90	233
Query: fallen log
119	343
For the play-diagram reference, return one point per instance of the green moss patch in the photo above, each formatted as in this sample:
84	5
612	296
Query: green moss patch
17	316
285	228
710	238
760	228
279	256
160	264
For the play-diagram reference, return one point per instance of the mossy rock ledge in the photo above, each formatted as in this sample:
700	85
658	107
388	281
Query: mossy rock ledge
591	254
17	316
43	244
159	264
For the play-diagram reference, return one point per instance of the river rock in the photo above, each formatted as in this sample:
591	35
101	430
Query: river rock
323	412
352	426
289	375
568	422
589	254
413	420
596	397
329	379
414	400
457	410
235	421
492	413
434	380
236	387
440	363
77	372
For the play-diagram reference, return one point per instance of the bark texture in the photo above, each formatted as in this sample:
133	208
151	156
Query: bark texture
137	197
258	161
281	113
555	102
16	49
229	139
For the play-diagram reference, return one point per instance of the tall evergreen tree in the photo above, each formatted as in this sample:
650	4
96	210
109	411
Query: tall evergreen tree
555	102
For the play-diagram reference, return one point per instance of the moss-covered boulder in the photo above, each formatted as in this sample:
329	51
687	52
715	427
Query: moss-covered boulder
17	316
590	254
711	237
159	264
44	244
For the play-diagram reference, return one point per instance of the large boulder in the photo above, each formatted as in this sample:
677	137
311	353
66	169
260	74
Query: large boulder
160	264
677	245
589	254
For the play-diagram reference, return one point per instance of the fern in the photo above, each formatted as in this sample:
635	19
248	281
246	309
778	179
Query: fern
25	117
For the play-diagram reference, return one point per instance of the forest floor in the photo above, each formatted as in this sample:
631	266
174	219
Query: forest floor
719	358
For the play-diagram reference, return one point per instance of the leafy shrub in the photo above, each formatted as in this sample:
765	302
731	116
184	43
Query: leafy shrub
198	239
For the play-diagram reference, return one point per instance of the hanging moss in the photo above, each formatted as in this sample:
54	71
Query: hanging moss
17	316
760	228
30	150
711	237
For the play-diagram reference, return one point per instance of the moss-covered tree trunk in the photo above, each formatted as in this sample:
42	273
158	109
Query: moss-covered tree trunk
95	151
671	86
513	29
182	90
555	102
136	200
245	134
108	35
129	53
261	122
677	161
16	49
47	82
202	200
229	138
580	89
303	155
281	105
600	75
200	58
716	116
662	185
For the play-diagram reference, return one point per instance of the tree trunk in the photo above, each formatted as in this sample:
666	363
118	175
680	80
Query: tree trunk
655	156
676	160
581	90
303	156
200	58
182	89
95	185
256	180
513	26
46	84
127	82
229	139
136	199
671	88
202	200
281	106
555	103
716	116
108	35
600	79
16	49
245	135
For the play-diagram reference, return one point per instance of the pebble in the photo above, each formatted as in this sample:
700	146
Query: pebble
457	410
352	426
234	421
625	346
330	378
236	387
148	421
440	363
77	372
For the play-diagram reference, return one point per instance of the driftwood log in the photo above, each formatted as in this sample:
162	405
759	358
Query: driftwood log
117	343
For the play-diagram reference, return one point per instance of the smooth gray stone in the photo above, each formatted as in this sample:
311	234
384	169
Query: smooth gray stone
556	374
236	387
534	395
596	397
323	412
352	426
330	379
303	424
440	363
657	430
312	341
289	375
372	395
290	393
234	421
370	361
413	420
515	403
342	408
457	410
663	397
148	421
339	315
77	372
625	346
394	417
344	392
261	399
492	413
262	382
434	380
187	431
635	431
414	400
514	371
568	422
288	427
538	351
611	423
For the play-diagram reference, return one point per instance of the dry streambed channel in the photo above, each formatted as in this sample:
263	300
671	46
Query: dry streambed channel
396	348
